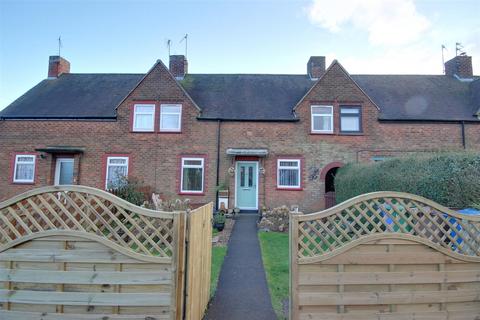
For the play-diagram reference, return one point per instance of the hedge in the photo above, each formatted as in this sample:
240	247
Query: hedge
451	179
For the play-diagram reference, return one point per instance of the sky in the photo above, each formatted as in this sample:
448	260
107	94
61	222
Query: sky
265	36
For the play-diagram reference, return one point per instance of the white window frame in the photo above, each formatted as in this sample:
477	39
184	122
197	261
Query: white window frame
171	113
298	168
34	157
202	166
108	165
325	115
135	113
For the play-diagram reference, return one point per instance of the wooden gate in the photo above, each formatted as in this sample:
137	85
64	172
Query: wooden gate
385	255
74	252
199	259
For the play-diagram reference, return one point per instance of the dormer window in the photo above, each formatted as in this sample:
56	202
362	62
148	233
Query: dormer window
171	117
144	117
322	119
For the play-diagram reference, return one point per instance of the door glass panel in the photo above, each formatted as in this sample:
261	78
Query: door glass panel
66	172
250	176
242	176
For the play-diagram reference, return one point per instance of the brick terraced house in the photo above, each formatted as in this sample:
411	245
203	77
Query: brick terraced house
270	139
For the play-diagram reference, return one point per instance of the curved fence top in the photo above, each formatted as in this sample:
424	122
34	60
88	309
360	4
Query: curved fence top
393	213
90	213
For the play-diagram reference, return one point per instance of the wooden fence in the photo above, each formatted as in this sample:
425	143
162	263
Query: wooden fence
385	255
75	252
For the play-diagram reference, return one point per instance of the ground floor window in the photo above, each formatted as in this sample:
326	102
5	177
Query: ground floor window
288	173
24	168
117	169
192	175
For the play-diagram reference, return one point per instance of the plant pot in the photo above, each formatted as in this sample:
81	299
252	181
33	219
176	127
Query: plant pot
219	226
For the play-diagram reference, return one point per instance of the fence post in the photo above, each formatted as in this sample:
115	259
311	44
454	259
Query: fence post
180	228
293	256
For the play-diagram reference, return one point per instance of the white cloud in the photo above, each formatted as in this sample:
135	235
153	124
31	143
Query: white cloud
387	22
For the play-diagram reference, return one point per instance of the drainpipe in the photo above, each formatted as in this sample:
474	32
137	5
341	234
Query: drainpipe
218	164
464	144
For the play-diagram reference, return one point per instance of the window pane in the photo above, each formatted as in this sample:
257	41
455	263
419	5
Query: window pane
26	159
170	121
350	124
144	121
115	174
171	109
192	162
321	110
66	172
117	161
144	109
24	171
322	123
289	177
349	111
288	163
192	179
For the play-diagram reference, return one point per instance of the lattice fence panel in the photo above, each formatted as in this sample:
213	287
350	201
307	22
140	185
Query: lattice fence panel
91	211
387	213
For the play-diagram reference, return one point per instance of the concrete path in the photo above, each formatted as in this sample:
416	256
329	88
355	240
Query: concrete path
242	291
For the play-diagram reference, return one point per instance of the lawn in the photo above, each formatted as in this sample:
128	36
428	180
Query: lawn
275	260
218	254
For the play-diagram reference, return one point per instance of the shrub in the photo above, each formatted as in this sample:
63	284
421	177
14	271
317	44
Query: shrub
131	189
451	179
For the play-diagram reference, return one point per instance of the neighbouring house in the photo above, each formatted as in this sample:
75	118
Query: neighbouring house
269	139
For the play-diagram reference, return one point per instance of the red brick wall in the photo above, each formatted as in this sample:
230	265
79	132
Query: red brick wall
154	157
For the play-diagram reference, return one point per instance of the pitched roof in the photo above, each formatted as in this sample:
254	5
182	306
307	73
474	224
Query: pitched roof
420	97
247	96
251	96
73	96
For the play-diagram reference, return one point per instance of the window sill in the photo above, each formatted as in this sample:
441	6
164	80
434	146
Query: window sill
23	183
289	189
169	131
185	193
350	133
136	131
322	133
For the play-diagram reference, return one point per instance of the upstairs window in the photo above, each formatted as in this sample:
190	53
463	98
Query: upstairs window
192	175
171	117
350	119
117	169
24	170
288	173
322	119
144	117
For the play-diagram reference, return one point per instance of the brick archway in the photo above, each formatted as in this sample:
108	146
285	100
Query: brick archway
331	165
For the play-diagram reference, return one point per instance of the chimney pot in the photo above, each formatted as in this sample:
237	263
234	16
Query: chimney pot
178	66
461	66
316	67
57	65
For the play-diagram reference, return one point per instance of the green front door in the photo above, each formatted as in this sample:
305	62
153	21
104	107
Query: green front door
246	182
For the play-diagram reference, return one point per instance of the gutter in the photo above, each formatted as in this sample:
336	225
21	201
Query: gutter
429	120
247	120
58	118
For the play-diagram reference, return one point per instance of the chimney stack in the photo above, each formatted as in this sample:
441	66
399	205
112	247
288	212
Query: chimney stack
178	66
460	66
316	67
57	65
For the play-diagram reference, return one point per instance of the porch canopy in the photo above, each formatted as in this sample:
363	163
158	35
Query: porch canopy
61	149
247	152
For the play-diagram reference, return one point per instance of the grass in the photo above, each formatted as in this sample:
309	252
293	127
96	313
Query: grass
275	260
218	254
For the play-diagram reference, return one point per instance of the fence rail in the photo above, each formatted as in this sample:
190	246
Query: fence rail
385	255
74	252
